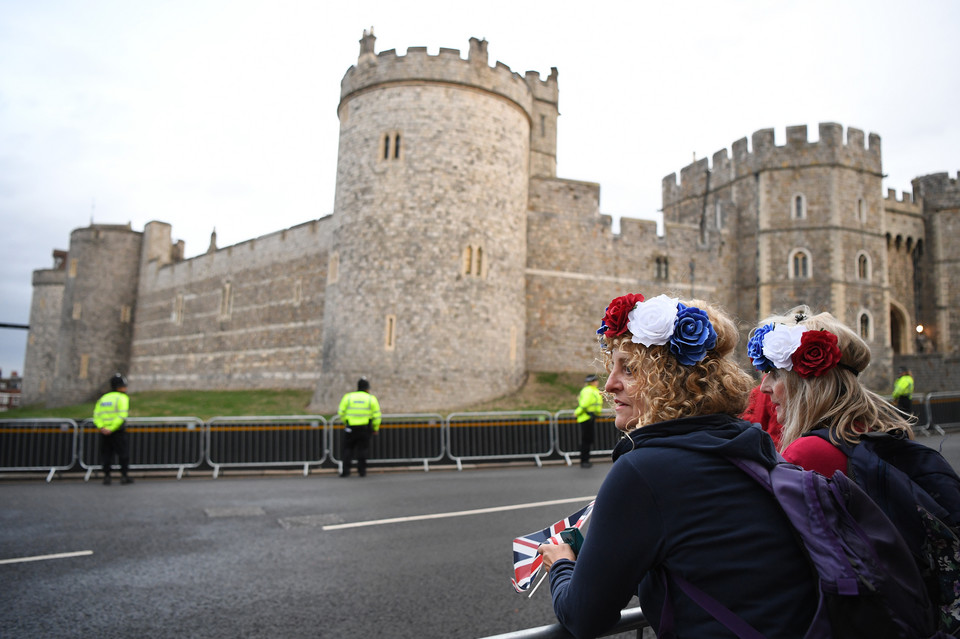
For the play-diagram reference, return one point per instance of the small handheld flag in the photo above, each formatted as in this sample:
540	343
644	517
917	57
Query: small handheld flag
526	560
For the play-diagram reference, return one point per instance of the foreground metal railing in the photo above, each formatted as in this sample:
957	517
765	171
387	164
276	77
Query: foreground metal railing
631	619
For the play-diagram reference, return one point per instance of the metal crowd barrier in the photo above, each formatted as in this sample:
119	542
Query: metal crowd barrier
411	438
290	440
42	444
154	443
630	619
943	409
503	435
605	434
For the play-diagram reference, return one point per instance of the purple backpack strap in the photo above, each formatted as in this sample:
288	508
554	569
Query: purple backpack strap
717	610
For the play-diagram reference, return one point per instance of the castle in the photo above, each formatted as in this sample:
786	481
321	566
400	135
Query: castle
456	261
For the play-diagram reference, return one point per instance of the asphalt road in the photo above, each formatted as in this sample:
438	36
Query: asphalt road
250	557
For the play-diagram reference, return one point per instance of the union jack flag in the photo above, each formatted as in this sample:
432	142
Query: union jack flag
526	560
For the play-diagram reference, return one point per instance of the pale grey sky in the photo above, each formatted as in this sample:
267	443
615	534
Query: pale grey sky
222	113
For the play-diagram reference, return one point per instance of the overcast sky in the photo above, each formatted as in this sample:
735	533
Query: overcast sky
222	113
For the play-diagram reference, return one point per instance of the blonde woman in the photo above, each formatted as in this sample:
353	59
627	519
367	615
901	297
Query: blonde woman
812	365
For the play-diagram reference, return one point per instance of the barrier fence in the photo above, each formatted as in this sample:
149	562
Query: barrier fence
413	439
154	443
54	445
238	442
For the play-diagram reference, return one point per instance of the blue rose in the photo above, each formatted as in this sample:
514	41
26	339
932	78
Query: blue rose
755	349
693	335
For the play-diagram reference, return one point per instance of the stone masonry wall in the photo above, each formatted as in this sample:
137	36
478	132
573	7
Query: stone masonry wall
264	334
41	354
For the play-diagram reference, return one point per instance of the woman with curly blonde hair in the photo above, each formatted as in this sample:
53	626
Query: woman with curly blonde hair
812	366
674	509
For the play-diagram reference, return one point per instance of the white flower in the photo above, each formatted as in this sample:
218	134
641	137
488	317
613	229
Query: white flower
781	343
651	322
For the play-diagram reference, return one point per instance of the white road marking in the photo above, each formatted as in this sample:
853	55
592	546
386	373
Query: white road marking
460	513
61	555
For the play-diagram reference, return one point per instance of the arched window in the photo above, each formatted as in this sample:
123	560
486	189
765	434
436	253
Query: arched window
865	326
798	207
863	267
799	265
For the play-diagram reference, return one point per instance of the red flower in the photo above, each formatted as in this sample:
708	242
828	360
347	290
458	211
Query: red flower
615	319
818	353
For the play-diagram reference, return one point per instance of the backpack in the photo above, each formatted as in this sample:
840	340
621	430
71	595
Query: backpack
868	584
920	493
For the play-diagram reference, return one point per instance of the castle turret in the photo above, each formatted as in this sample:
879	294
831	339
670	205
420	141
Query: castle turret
939	298
425	291
99	298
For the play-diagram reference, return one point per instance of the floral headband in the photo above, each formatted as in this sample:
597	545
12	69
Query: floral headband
807	352
658	321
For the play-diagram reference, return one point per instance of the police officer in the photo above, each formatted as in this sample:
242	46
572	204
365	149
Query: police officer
360	414
589	405
110	418
903	391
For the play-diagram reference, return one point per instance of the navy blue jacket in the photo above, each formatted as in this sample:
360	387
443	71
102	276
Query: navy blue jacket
672	500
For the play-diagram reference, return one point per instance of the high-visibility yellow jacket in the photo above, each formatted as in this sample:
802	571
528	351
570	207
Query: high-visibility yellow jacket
360	408
111	410
590	403
903	387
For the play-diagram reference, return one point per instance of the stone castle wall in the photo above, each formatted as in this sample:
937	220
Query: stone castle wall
46	307
245	316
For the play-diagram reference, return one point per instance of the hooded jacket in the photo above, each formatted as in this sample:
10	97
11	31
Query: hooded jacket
672	500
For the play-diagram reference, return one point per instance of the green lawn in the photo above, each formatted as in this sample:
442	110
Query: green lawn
542	391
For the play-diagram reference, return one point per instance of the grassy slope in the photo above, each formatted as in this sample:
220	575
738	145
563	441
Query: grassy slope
542	391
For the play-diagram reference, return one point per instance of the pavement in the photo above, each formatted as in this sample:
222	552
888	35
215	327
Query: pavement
394	554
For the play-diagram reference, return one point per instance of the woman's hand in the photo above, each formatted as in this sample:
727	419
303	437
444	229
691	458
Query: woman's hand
553	552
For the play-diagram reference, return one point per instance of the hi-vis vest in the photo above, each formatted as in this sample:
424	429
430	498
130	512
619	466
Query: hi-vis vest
111	410
590	403
360	408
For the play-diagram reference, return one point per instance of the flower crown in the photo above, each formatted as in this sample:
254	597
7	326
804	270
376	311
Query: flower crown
658	321
807	352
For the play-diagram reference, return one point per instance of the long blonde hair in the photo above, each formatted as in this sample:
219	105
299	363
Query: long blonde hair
667	389
835	400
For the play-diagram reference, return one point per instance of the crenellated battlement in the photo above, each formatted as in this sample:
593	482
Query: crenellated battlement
938	191
892	198
762	153
447	67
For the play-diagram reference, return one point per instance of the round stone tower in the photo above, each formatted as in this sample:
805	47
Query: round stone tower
96	322
425	288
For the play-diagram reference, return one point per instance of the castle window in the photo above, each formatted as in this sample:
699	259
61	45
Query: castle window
473	261
125	313
333	268
798	207
718	214
861	210
77	309
863	267
72	272
177	315
390	333
799	265
390	146
865	326
84	366
226	301
297	292
663	268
